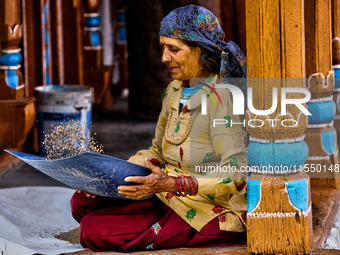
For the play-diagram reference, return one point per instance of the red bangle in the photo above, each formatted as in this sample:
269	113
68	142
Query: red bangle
184	177
184	186
179	185
182	189
192	185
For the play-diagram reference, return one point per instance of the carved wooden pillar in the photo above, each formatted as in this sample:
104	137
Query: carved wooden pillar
121	72
92	42
46	42
320	135
57	38
11	80
16	111
95	75
73	41
336	60
279	218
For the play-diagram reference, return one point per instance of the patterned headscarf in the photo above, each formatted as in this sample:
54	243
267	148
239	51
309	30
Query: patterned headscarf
197	24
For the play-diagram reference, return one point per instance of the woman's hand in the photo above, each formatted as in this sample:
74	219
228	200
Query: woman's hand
156	182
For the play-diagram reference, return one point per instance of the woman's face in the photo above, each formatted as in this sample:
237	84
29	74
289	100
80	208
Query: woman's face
182	60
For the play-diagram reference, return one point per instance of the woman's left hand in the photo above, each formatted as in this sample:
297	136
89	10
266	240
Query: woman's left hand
156	182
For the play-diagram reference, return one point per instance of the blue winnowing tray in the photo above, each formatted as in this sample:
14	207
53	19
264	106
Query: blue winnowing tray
94	173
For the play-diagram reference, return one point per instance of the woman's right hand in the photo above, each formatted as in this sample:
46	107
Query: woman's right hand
87	194
156	182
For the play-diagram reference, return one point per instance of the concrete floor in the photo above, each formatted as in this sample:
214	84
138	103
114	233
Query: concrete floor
120	136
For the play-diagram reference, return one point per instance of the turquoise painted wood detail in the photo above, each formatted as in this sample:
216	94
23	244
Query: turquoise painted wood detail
47	42
254	193
10	59
337	77
322	112
328	141
122	34
92	21
269	155
95	38
12	78
298	193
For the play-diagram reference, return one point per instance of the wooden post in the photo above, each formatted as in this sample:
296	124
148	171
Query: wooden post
73	20
16	111
320	135
46	42
11	80
120	58
336	60
57	38
37	43
94	73
92	39
279	220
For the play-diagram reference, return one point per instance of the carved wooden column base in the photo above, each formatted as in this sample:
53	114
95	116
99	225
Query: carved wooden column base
279	218
17	118
322	164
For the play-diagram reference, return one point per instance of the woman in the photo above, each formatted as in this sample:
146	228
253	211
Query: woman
192	207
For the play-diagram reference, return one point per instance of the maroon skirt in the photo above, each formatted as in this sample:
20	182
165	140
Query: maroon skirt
124	225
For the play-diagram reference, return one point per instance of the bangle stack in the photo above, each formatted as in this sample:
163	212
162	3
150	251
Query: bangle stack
182	187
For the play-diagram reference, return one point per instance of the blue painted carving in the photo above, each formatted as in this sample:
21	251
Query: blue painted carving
95	38
254	193
92	21
322	112
270	155
91	172
12	79
10	59
328	141
122	34
298	193
337	77
48	46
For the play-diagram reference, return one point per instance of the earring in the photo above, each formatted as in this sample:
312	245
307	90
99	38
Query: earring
201	68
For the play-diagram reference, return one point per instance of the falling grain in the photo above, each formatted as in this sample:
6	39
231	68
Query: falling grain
69	140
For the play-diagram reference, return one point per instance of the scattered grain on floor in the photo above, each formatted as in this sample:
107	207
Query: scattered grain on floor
71	236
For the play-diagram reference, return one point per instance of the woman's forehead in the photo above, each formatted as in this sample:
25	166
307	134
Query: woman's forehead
163	40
